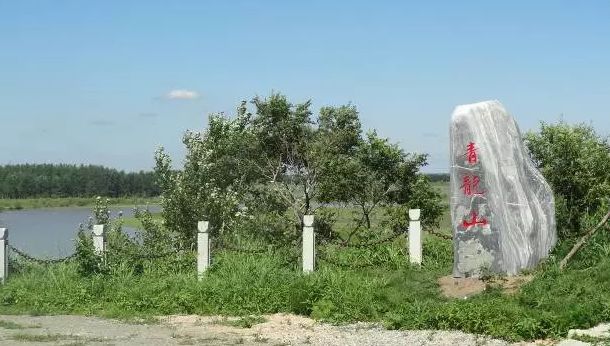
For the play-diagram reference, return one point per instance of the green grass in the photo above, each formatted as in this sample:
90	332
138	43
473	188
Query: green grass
374	284
443	188
395	293
592	339
445	221
33	203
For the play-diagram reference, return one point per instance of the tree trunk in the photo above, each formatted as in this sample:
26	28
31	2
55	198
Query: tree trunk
367	219
582	241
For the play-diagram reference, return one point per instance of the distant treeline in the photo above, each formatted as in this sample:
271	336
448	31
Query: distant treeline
62	180
438	176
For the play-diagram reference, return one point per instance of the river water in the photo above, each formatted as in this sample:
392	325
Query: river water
50	232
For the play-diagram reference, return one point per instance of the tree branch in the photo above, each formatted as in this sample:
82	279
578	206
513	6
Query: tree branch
582	241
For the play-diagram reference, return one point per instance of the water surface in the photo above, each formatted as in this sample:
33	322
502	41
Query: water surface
50	232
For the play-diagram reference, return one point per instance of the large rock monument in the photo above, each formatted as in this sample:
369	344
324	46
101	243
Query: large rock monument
502	209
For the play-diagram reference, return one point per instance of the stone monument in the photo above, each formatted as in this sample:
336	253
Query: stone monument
502	209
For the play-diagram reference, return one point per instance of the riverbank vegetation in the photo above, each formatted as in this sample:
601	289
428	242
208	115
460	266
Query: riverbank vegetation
255	176
61	202
391	291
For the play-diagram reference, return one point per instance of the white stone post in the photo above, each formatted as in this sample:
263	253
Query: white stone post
3	254
415	236
309	244
99	241
203	248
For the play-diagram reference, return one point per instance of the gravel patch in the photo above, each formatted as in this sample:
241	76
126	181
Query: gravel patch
277	329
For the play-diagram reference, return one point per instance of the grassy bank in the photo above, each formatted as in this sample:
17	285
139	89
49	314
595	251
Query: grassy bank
33	203
355	284
390	291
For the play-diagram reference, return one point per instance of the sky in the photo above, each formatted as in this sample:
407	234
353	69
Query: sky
108	82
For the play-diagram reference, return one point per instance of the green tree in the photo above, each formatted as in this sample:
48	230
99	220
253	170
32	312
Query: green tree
575	160
380	175
61	180
269	168
215	177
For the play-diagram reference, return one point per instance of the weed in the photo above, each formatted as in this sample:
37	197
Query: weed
258	337
242	322
24	337
189	340
12	325
592	339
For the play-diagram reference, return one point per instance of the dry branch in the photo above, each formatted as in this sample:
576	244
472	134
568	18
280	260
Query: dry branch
582	241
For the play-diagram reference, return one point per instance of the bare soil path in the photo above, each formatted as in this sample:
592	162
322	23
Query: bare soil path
277	329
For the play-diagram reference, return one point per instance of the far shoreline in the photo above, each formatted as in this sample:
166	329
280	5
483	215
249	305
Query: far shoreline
8	204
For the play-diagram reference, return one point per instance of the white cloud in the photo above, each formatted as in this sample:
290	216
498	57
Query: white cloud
148	115
102	122
182	94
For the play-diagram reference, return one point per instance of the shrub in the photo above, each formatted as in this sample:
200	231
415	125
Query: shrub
575	161
153	247
261	172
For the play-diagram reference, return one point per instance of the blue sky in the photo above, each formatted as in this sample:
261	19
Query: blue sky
107	82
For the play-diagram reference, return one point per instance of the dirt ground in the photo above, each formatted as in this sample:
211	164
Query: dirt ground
465	287
277	329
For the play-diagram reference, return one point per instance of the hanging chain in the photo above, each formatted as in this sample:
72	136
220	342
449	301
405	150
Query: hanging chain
440	235
31	258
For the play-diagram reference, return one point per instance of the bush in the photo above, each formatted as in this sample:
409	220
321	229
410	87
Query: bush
575	161
261	172
152	247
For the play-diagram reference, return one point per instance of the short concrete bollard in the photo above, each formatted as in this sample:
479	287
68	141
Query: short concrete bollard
309	244
99	239
415	236
3	254
203	248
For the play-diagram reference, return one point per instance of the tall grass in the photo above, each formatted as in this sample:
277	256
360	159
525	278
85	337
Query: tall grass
369	284
395	293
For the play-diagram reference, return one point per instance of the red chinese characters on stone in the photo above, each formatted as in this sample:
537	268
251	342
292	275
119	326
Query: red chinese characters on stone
471	154
474	220
470	185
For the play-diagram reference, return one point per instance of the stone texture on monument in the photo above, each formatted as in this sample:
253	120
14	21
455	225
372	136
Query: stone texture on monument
502	209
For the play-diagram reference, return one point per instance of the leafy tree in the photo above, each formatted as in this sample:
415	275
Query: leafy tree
216	174
436	177
263	171
377	175
575	160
